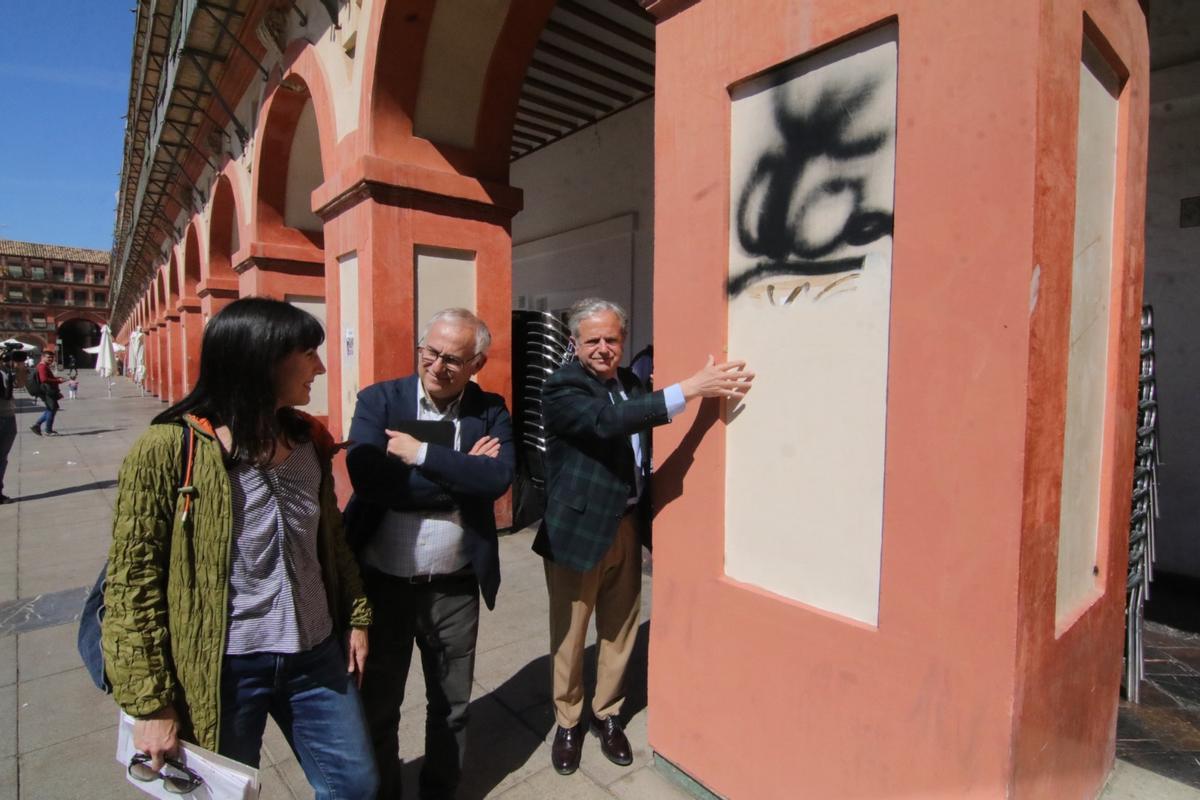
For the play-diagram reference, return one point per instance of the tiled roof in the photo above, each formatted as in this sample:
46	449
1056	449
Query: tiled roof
8	247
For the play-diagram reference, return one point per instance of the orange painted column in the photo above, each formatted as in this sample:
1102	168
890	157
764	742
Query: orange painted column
270	269
215	294
191	328
160	360
151	355
175	356
379	213
285	272
968	679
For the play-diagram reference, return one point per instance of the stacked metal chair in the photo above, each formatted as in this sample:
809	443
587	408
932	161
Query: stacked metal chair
541	344
1143	514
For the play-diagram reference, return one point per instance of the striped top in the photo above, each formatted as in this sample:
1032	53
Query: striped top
277	594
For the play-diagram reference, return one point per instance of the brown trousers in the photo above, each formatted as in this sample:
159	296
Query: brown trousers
613	590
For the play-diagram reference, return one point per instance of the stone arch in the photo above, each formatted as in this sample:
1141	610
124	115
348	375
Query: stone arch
502	86
189	276
72	314
295	148
171	282
392	85
160	292
75	330
224	233
389	85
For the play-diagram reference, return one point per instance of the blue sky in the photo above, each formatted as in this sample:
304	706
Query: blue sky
64	86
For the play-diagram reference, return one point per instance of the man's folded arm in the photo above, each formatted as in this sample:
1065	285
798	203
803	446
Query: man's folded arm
476	476
374	475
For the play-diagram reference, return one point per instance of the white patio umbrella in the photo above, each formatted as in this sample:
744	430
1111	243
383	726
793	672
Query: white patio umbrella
25	348
135	359
117	348
106	364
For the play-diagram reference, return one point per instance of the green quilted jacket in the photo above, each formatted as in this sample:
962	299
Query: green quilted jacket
167	599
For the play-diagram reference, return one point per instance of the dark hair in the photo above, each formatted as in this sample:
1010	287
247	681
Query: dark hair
239	356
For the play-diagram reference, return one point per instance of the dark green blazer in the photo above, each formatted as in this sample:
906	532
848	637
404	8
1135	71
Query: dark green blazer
589	462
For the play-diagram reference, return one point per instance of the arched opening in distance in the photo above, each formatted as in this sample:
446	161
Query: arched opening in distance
73	336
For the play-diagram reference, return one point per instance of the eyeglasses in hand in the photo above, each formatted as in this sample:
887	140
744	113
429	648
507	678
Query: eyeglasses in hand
176	778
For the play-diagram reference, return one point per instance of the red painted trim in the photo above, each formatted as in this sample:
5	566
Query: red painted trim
502	86
287	94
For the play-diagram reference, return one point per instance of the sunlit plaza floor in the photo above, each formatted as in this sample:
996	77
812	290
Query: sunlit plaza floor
58	733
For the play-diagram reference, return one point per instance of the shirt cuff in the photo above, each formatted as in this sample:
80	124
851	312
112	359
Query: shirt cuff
421	451
675	399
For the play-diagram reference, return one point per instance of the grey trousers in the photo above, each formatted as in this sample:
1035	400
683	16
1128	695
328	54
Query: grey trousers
8	435
442	619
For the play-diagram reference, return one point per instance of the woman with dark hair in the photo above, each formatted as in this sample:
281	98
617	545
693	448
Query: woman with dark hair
231	592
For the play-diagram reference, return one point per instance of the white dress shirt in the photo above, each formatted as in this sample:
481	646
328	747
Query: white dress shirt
415	543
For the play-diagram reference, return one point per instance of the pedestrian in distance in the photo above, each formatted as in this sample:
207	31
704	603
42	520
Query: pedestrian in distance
598	416
49	394
432	453
231	592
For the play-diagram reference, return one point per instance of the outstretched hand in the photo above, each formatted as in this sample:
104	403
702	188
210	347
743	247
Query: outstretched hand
728	379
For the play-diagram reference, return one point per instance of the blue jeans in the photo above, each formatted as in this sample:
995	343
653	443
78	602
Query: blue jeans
46	420
8	435
314	701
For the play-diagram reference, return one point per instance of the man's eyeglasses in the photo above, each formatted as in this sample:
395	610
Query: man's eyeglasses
453	363
176	778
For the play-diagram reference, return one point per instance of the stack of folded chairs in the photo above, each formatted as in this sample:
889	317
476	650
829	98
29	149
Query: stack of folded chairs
1144	512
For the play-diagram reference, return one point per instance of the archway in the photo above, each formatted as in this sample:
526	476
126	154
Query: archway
173	373
190	324
286	258
218	285
73	335
290	166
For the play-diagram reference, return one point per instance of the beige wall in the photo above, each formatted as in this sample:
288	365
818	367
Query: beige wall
805	455
1087	364
445	279
318	403
595	177
304	173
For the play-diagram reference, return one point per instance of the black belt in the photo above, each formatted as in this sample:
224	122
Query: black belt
466	573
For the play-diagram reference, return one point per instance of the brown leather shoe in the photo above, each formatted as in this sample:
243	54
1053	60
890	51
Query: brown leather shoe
568	747
613	743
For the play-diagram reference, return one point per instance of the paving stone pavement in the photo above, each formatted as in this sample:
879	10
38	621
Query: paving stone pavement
58	733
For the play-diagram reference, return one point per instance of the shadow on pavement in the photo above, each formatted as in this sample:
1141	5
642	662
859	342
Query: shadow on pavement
86	487
497	740
93	432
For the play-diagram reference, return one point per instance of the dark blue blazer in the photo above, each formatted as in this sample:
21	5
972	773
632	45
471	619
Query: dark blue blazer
473	483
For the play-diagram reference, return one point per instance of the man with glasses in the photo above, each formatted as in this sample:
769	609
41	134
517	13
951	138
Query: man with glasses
422	522
598	417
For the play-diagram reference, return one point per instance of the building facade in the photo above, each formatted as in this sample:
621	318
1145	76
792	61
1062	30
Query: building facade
898	570
54	296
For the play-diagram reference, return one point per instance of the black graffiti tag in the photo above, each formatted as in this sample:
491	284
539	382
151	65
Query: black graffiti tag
775	213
